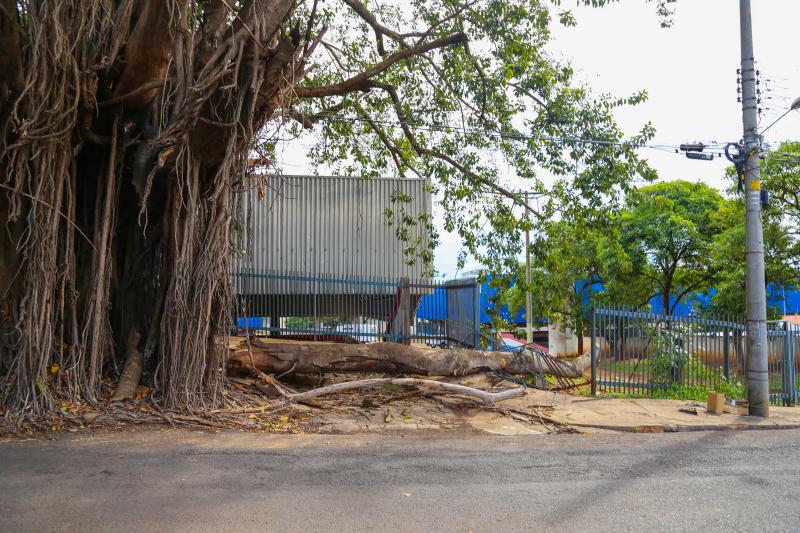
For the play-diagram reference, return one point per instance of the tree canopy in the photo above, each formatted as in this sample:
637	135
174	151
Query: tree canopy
655	243
667	227
669	240
570	257
780	173
490	96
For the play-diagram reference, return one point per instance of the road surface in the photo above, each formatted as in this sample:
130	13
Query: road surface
193	481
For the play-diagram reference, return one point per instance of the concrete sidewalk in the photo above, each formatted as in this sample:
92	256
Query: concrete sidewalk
648	415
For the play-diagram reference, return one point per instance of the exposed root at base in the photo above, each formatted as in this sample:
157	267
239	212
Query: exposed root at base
252	405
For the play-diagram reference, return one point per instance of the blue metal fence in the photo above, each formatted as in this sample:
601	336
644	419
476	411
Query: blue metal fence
637	352
341	309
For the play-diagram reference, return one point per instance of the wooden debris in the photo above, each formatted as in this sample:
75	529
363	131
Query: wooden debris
488	398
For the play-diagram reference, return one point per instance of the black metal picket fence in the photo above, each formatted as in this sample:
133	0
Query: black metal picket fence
344	309
636	352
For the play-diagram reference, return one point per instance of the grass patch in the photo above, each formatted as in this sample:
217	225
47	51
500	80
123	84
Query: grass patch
670	372
730	388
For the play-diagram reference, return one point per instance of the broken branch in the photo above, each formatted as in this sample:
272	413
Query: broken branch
453	388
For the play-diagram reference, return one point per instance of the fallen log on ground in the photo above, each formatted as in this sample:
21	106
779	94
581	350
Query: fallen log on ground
276	356
441	387
454	388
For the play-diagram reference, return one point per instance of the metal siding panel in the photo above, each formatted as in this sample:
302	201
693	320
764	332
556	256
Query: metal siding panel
333	226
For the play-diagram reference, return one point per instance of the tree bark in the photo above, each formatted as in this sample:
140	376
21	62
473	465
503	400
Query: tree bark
147	56
11	232
132	371
312	358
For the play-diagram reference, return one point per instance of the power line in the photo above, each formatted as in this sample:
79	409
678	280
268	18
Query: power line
716	148
762	132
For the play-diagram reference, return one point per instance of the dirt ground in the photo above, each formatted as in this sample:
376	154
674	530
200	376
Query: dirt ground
397	410
391	409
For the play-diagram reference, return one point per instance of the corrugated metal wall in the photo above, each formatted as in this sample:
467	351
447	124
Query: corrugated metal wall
334	226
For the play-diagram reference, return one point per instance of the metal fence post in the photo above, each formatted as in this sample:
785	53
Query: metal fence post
788	366
405	307
792	373
476	295
726	355
593	349
314	323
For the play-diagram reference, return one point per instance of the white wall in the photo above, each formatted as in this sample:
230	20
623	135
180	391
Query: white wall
561	341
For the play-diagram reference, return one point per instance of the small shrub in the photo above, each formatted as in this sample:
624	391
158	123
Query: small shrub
732	388
669	360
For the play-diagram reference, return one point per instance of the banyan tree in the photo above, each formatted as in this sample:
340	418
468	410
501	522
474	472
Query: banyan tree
129	128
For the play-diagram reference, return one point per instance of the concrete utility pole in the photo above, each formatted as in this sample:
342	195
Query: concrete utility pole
756	297
528	299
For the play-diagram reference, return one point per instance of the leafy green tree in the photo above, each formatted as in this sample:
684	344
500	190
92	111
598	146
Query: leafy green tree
569	257
780	173
657	242
728	258
668	229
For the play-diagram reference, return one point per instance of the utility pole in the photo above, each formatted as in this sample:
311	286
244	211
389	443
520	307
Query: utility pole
756	298
528	299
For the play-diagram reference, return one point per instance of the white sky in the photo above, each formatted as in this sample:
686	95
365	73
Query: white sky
689	71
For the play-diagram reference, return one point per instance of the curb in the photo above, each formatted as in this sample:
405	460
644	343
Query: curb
675	428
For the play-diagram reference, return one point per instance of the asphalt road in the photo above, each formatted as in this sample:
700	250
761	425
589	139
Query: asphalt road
192	481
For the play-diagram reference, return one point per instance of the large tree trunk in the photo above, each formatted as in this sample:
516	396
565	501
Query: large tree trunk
312	358
123	152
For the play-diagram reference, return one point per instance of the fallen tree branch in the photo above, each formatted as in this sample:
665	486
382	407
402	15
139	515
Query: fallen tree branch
314	357
262	409
283	390
488	398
